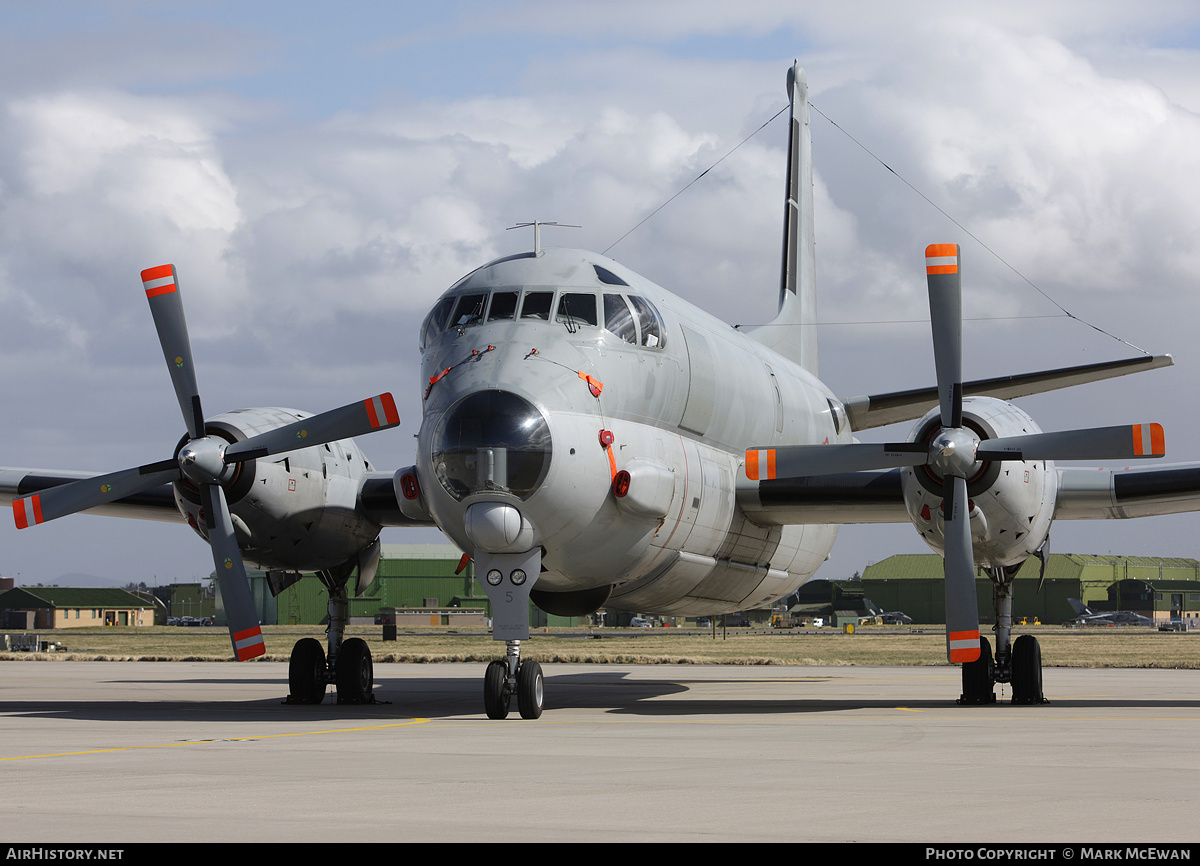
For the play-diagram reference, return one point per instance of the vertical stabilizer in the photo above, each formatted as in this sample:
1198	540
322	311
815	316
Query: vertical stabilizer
793	332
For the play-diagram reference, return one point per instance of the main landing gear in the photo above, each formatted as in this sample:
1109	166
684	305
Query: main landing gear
348	666
1016	662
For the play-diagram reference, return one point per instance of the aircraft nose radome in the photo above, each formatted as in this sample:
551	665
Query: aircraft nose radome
498	527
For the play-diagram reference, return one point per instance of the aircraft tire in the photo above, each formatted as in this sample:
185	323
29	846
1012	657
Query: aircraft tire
530	690
1027	671
355	672
978	676
495	698
306	672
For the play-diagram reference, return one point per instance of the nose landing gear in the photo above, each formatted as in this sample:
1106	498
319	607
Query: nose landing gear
503	679
507	579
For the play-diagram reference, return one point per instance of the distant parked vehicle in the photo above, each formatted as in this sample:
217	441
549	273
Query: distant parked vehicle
639	622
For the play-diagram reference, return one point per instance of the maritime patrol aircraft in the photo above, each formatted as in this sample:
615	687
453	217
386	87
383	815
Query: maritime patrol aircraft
1084	615
592	440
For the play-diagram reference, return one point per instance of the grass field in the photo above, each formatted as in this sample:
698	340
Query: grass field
1098	647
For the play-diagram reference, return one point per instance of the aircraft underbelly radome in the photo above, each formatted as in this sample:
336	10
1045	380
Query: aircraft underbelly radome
676	410
294	512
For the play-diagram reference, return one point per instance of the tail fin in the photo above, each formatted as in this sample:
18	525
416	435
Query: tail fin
1079	607
791	333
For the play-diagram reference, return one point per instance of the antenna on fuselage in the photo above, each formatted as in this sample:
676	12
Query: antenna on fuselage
537	232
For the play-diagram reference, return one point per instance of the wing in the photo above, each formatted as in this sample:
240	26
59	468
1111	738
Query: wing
378	497
1091	494
877	497
157	503
844	497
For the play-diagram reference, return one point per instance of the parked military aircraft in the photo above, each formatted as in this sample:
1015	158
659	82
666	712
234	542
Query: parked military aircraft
594	440
887	617
1084	615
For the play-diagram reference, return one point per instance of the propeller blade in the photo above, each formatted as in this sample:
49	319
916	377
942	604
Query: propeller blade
365	416
240	611
1099	443
87	493
945	313
166	306
795	461
962	611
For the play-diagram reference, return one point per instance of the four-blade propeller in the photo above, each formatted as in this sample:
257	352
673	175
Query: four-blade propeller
206	461
955	451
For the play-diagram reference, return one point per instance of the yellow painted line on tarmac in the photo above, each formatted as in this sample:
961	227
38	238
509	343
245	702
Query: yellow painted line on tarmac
407	723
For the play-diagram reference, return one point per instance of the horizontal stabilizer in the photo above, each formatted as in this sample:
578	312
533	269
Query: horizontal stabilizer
879	410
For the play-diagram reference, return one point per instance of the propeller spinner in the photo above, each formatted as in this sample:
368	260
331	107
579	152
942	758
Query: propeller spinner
208	462
955	451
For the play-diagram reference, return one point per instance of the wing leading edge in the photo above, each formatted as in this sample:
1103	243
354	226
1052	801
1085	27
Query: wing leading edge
157	503
876	497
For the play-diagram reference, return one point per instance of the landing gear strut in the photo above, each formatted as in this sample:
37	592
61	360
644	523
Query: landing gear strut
348	664
507	580
1017	662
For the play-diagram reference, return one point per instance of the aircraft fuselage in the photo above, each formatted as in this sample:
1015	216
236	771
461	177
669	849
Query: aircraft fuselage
511	418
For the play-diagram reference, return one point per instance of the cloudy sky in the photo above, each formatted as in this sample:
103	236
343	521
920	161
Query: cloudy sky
320	176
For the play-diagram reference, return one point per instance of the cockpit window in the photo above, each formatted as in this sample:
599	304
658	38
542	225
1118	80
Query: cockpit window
618	319
469	310
608	277
504	306
649	322
631	318
435	321
536	305
576	308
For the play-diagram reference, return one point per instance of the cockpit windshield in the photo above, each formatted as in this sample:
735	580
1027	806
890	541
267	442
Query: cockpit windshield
631	318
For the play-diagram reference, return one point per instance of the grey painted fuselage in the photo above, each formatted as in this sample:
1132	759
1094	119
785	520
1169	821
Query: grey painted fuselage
683	395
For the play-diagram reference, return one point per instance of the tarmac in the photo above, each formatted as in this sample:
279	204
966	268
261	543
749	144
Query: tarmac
127	752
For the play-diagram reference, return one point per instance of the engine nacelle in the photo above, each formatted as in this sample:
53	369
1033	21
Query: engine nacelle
1011	502
294	512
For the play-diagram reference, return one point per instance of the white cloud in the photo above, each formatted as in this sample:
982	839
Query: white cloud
310	243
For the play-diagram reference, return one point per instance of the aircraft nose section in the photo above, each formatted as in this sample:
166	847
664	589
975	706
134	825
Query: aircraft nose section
491	442
498	527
